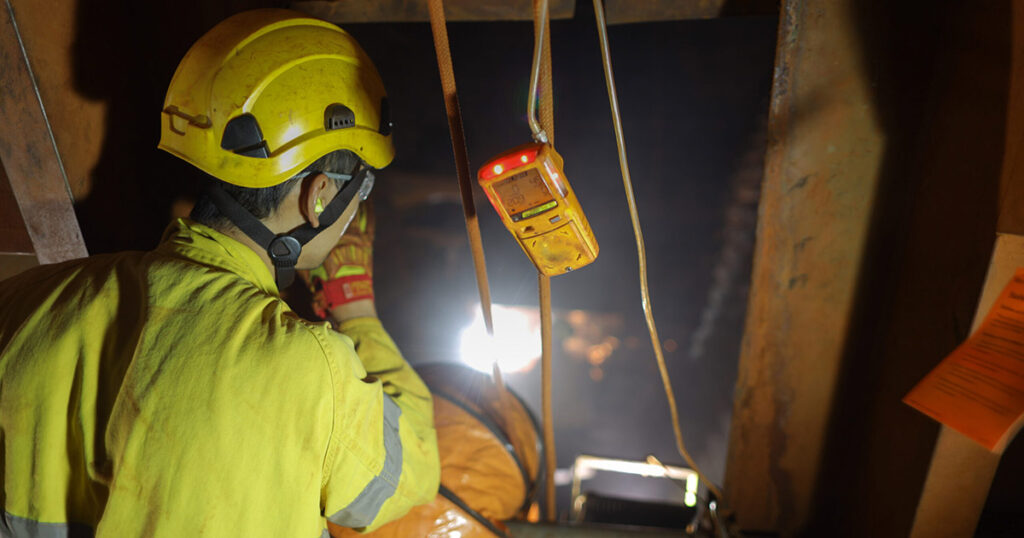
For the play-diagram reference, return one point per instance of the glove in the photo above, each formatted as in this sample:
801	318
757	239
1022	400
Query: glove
347	273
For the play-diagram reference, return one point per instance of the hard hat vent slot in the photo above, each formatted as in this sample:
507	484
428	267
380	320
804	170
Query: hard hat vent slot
385	117
242	135
339	116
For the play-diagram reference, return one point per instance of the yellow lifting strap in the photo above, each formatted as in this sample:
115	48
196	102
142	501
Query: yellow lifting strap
543	42
451	102
547	124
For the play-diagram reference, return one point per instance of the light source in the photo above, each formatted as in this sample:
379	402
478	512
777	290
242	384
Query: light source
515	345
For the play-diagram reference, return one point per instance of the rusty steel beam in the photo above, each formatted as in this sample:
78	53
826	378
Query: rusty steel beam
29	153
886	152
358	11
820	180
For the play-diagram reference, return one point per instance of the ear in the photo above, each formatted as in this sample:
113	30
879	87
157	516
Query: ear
313	187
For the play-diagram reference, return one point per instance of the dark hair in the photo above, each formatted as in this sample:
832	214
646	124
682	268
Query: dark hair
262	202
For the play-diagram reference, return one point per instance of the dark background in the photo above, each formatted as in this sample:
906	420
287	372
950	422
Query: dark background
693	96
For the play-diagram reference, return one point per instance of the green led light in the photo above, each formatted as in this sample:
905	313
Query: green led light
539	209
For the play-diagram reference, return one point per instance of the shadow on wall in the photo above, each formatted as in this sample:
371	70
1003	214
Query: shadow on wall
125	53
940	80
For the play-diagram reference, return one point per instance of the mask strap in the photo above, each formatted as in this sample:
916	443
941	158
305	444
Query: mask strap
284	249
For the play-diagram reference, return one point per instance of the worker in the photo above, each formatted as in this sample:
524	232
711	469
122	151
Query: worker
173	393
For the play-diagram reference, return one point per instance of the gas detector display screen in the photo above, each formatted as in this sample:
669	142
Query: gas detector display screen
525	195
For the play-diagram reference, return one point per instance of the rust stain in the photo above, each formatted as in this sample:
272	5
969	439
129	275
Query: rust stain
798	184
801	245
799	280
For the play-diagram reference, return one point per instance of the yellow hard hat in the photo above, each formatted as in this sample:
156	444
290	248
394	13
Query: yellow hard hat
267	92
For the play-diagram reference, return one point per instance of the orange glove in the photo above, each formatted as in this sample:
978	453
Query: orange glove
347	273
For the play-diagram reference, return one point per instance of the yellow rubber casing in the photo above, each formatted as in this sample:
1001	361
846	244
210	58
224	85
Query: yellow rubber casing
529	190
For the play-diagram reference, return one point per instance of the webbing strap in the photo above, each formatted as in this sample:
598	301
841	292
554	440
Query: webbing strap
451	102
547	123
451	105
284	249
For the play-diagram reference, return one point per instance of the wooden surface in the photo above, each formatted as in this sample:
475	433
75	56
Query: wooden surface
13	235
29	154
12	263
356	11
961	470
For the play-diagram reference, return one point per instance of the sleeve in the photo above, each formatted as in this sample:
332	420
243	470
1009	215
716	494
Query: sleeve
382	458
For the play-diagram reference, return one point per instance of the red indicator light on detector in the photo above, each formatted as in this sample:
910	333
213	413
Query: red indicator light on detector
530	192
508	162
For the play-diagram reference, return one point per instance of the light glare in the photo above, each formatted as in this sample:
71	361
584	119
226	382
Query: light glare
498	169
690	499
516	342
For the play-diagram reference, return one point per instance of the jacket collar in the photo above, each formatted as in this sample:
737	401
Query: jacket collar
206	246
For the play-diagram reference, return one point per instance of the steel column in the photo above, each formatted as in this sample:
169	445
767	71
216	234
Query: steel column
820	181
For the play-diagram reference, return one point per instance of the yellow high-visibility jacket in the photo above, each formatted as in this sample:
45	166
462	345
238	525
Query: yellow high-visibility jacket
173	393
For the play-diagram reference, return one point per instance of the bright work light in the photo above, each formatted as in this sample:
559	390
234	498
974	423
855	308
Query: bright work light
516	342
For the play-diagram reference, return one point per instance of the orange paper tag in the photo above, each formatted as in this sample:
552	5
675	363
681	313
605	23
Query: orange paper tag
978	390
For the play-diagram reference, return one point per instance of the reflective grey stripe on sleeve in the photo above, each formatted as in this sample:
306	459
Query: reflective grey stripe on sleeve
20	527
362	511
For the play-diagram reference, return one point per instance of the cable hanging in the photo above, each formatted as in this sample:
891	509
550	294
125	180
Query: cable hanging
540	33
544	132
641	250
